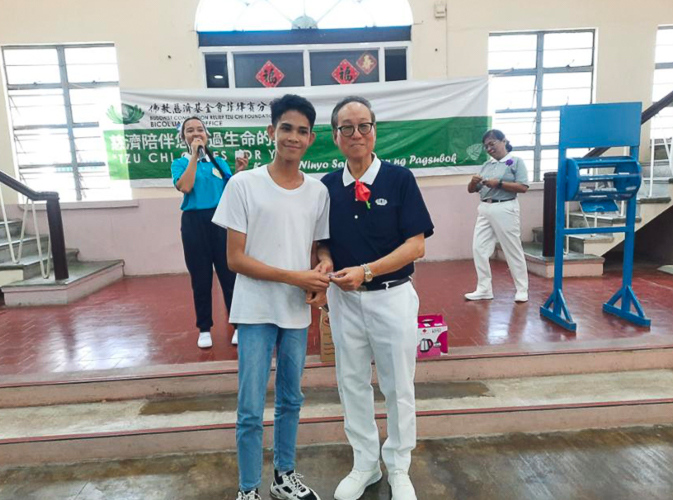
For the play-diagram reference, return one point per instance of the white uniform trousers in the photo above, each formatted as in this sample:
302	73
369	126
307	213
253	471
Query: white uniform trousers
499	222
381	326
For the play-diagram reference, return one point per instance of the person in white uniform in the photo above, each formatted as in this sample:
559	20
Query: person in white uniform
499	182
378	226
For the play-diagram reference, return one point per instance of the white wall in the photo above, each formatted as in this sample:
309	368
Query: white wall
157	48
626	35
144	233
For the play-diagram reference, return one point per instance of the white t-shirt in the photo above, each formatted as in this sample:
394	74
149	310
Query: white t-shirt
280	226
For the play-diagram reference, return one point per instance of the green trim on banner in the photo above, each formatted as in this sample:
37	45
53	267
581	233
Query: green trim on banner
416	144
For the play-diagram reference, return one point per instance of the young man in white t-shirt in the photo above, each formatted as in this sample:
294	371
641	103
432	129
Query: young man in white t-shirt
274	216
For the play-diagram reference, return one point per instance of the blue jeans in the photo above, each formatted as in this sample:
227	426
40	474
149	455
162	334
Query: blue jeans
255	350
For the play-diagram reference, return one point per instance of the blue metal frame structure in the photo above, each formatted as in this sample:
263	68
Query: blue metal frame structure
589	126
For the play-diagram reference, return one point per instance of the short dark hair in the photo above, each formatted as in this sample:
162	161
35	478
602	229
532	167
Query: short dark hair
497	135
292	102
348	100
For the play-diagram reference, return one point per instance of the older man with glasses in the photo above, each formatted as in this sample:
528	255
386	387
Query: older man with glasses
378	226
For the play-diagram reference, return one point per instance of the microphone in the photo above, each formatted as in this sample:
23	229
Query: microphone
202	153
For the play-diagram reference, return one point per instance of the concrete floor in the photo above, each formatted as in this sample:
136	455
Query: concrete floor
589	465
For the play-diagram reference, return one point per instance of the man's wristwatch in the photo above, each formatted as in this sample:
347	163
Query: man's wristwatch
369	276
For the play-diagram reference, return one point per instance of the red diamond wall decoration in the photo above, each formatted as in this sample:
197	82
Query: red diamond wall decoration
345	73
367	63
270	75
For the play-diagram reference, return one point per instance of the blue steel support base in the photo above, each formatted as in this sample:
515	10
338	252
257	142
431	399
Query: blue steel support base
628	297
556	310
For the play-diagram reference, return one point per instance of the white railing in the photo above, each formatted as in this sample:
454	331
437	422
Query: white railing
668	147
45	263
661	133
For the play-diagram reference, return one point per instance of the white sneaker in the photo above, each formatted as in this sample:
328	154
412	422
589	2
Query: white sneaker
478	295
251	495
354	484
521	297
234	339
205	340
401	486
290	487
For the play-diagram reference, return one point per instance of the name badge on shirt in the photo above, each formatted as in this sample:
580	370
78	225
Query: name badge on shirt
217	173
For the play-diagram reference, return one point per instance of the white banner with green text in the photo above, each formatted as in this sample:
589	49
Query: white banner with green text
431	127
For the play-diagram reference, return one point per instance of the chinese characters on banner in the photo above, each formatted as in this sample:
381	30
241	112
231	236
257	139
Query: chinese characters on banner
168	141
199	108
432	127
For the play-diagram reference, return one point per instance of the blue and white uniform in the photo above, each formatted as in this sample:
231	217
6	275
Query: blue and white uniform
378	321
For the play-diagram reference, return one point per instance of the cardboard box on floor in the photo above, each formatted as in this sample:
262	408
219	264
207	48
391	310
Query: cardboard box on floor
326	344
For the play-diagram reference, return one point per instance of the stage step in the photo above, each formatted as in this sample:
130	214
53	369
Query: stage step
663	169
172	409
146	427
14	226
668	269
575	264
659	188
29	246
461	364
576	241
29	267
85	278
577	219
596	245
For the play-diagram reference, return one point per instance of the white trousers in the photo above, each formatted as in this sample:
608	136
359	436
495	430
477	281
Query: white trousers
380	326
499	222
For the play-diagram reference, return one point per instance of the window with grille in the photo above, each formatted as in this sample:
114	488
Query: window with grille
57	95
254	67
534	74
662	124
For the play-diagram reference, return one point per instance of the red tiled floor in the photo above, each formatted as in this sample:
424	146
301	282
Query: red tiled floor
501	321
150	320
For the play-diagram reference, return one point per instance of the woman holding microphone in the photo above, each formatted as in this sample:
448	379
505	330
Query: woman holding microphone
202	177
499	182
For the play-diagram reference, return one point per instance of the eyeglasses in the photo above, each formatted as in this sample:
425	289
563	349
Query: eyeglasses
491	144
349	130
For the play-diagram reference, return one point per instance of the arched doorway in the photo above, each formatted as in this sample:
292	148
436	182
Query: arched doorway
268	43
